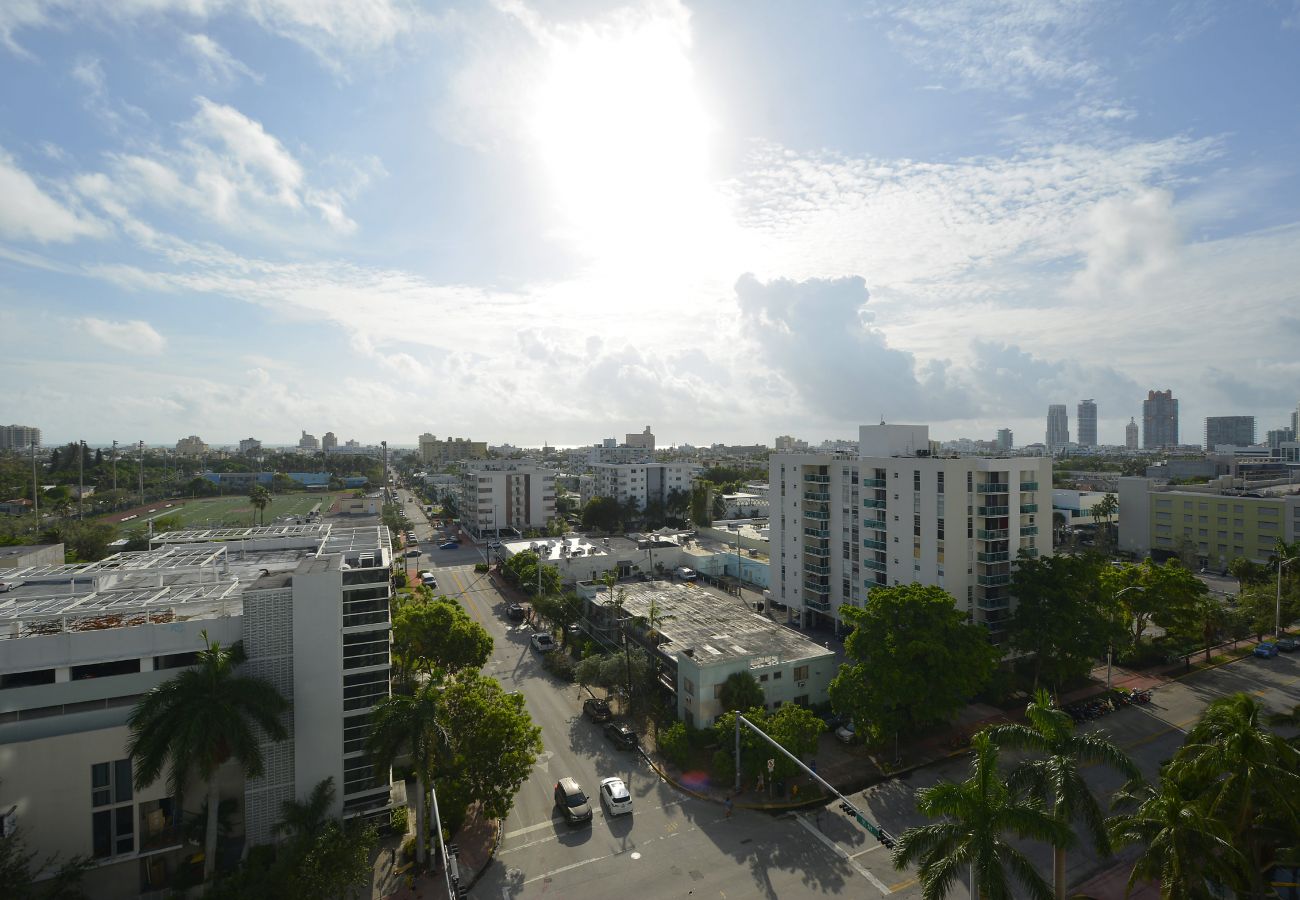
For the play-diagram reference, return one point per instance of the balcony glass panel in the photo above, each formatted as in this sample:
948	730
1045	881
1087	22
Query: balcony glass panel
992	488
1029	485
995	534
816	497
1028	508
993	557
873	482
992	510
817	532
818	479
993	580
873	544
1028	530
816	515
817	604
874	564
874	504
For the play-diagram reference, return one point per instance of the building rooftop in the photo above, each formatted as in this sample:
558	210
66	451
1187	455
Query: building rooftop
710	628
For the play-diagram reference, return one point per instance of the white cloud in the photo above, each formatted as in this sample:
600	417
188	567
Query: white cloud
134	336
29	213
215	62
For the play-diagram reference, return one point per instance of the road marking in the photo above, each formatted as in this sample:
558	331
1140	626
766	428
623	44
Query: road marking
570	866
873	848
549	823
841	853
902	884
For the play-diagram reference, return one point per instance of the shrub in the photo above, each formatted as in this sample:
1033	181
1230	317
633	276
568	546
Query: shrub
559	664
724	767
399	580
480	567
675	744
399	820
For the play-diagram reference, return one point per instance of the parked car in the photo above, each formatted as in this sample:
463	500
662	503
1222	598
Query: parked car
596	709
414	551
620	735
427	578
1287	645
542	642
495	545
515	612
572	801
1265	650
846	733
615	797
449	545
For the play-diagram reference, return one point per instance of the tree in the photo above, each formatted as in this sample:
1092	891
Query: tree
1164	594
561	610
741	691
978	814
260	497
1205	621
700	506
1061	616
602	514
409	726
439	636
197	720
915	660
335	862
1055	774
1103	512
797	729
282	483
18	874
302	819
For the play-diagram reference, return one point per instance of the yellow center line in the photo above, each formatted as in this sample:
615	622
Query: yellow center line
893	888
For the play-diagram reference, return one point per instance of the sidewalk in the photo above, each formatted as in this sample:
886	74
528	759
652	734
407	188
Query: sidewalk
476	843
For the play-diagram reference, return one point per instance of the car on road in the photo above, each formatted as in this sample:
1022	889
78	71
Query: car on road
495	545
6	587
846	733
572	801
414	551
1287	645
515	612
1265	650
449	545
614	797
620	735
596	709
542	642
427	578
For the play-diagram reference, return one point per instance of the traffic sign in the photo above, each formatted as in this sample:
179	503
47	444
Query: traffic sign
771	764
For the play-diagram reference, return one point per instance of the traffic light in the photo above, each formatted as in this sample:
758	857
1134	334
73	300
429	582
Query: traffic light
886	839
847	809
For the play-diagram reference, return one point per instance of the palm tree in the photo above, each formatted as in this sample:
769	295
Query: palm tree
1248	775
978	813
1056	776
408	726
260	497
306	818
1181	844
198	720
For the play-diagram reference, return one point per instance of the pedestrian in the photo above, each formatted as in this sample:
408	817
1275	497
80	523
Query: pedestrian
728	804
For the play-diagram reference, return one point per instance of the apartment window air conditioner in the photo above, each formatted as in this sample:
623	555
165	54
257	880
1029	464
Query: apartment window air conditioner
801	684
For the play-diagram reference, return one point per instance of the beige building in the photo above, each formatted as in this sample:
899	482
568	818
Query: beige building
645	440
436	452
191	446
501	495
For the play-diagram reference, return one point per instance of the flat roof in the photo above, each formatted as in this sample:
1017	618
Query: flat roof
714	628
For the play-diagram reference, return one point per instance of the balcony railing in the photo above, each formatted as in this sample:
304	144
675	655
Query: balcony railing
1027	530
817	532
874	504
817	551
874	524
816	515
1028	508
871	544
994	534
1030	552
993	511
874	565
815	588
993	580
993	557
1029	485
986	605
992	488
813	569
873	482
817	603
818	479
816	496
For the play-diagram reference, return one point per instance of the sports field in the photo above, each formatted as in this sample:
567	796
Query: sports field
230	512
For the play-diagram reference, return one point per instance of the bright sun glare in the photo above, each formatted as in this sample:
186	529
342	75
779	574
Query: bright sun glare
623	139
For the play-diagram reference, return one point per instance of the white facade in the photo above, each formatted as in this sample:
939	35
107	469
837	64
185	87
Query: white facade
80	644
506	494
642	483
894	513
250	445
191	446
308	443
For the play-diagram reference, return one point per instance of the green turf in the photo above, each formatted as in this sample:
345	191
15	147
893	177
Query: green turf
234	512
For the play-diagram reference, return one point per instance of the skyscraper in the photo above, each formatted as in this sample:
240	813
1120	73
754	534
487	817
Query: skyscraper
1131	434
1159	420
1232	431
1087	423
1006	440
1058	427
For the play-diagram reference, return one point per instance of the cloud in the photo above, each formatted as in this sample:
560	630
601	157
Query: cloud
1131	240
215	62
134	336
1013	382
29	213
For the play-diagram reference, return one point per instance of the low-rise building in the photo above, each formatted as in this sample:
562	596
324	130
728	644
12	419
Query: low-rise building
440	453
250	445
506	495
640	483
702	638
192	446
31	555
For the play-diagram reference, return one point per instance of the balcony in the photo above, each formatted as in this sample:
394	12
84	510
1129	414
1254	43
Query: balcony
813	587
817	532
871	544
987	605
1027	530
1030	552
995	534
817	497
874	565
816	515
1029	485
992	488
992	511
993	580
817	603
813	569
1028	508
874	524
818	479
873	482
823	552
874	504
993	557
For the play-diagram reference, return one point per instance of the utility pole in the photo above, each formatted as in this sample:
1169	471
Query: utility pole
81	480
141	445
114	474
36	490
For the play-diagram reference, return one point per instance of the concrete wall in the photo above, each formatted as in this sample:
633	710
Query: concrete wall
35	555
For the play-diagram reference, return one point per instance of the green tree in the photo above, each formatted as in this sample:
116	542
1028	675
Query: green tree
1205	622
602	514
701	507
408	726
741	691
335	863
282	483
439	636
1054	772
260	497
797	729
197	720
561	610
19	871
978	814
915	660
1061	617
1165	594
302	819
1103	513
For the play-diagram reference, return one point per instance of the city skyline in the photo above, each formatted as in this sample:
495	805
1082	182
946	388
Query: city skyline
258	218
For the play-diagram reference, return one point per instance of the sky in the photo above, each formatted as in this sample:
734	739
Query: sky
556	222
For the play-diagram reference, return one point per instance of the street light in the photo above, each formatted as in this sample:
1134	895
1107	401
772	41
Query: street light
1281	563
1109	643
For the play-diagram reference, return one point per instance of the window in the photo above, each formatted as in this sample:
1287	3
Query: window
916	479
113	819
776	676
940	482
800	673
763	677
717	691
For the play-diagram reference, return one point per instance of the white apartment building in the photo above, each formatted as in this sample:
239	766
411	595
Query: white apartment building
895	513
308	443
642	482
250	445
81	644
503	494
191	446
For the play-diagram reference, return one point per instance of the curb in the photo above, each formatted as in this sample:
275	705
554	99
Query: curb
757	807
492	853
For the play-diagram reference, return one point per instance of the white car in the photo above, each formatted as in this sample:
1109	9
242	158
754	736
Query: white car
5	587
542	642
427	578
846	733
614	797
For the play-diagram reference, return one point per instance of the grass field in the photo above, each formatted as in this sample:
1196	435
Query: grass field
232	512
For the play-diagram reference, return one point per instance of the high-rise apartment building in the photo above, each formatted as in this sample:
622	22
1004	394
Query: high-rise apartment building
19	437
308	443
895	513
645	440
1230	431
1131	434
191	446
1159	420
506	494
1058	427
1279	436
1006	440
1087	414
329	442
83	642
250	445
785	443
